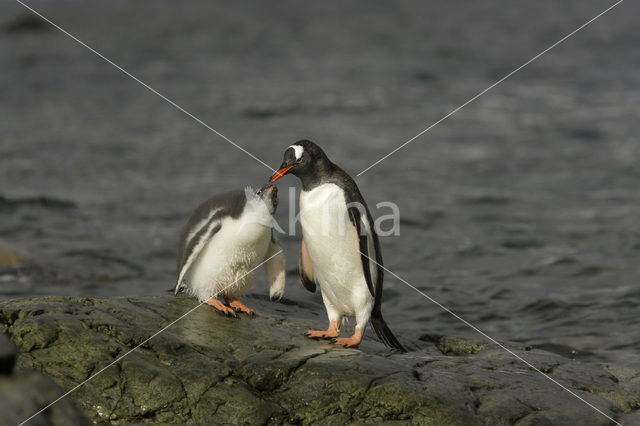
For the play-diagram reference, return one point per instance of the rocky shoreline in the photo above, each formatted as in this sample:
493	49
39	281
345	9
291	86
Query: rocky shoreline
23	393
211	369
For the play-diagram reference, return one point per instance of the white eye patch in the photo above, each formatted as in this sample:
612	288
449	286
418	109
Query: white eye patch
298	150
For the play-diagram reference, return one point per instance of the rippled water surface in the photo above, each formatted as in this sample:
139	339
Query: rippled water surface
520	213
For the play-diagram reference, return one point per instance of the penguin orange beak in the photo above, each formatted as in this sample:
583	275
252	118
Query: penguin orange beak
279	173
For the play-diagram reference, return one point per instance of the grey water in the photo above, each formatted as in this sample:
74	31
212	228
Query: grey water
520	213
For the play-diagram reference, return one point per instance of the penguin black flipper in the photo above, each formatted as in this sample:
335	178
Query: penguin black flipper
305	269
371	257
363	247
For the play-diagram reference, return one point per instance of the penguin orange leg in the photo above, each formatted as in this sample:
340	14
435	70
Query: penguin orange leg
350	342
221	307
239	306
329	333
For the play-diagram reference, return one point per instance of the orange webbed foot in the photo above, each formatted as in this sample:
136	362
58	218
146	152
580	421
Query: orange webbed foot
320	334
349	342
330	333
241	307
221	307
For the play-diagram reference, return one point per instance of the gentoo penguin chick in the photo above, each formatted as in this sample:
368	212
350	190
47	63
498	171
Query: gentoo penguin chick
223	243
340	251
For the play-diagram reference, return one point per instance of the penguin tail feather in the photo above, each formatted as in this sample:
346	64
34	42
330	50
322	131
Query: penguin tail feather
384	333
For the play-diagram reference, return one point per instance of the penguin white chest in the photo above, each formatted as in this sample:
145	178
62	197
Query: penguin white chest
332	242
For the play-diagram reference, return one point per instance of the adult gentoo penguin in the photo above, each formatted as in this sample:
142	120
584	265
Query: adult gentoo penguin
340	250
223	243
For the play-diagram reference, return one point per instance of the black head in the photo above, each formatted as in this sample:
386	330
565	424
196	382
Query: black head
306	160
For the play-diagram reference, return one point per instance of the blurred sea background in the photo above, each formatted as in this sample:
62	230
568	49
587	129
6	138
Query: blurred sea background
520	212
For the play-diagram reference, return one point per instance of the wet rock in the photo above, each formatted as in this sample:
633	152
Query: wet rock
564	350
25	393
453	345
207	368
9	257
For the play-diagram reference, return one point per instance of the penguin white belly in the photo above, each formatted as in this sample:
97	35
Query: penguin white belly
332	243
223	266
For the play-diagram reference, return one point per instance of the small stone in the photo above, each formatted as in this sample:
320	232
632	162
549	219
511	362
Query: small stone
10	257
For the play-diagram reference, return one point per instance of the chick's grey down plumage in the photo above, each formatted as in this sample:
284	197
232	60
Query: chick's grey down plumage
224	242
231	203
